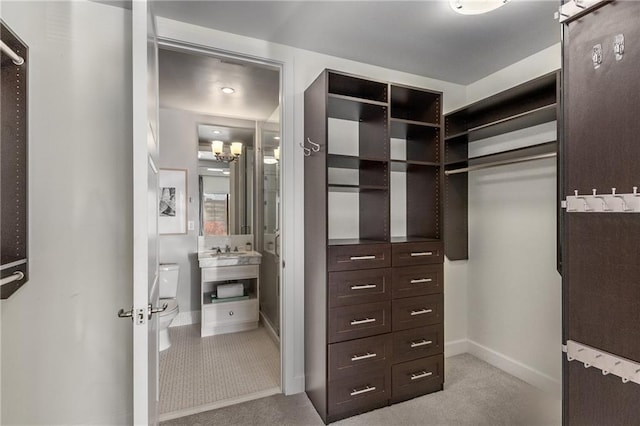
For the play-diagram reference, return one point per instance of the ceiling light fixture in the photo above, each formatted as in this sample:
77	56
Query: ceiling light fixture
476	7
216	132
276	138
228	90
217	148
270	160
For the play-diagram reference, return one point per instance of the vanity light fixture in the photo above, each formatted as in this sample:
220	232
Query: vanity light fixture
228	90
276	153
226	172
217	147
277	138
476	7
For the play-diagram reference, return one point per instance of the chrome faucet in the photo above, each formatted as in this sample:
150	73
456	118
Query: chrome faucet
217	249
227	249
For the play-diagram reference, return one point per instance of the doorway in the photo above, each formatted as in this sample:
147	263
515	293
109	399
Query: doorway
220	121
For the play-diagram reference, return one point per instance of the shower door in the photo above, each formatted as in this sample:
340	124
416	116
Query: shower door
270	230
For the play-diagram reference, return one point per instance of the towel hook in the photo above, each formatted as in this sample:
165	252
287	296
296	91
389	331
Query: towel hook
314	146
307	151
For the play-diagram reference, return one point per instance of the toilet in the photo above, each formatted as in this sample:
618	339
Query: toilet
168	292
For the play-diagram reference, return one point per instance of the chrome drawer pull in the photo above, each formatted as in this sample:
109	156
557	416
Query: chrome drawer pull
422	343
422	253
421	311
363	286
365	390
420	375
361	357
421	280
362	257
363	321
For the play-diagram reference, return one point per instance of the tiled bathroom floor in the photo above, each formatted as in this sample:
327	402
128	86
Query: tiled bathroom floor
214	371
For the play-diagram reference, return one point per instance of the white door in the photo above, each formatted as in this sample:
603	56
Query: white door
145	214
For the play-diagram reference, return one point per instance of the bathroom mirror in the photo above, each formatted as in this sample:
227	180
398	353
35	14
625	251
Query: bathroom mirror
226	183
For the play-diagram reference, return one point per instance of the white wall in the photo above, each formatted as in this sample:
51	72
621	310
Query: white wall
66	358
300	68
514	290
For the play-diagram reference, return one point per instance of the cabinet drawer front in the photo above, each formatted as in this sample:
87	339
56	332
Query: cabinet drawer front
358	394
408	254
414	378
224	273
230	312
360	256
413	281
353	322
359	356
353	287
417	343
417	311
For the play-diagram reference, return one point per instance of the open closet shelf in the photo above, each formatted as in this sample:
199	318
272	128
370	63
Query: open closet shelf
526	105
504	156
353	241
338	187
339	161
400	126
355	87
413	239
403	166
512	123
348	108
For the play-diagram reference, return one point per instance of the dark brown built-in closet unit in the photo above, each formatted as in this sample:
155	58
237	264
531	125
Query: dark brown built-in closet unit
373	244
525	105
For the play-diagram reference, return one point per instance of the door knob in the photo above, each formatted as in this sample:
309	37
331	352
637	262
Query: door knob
151	310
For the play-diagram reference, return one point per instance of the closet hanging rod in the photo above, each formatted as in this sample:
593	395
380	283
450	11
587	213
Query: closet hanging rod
499	163
17	59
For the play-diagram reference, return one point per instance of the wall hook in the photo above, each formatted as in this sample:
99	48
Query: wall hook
314	146
307	151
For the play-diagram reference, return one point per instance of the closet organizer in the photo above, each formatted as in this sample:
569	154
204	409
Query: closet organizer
13	167
373	244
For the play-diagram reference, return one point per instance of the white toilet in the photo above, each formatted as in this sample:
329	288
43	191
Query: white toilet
168	292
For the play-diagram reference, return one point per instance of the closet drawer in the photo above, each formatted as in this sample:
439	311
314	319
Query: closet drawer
408	254
359	256
417	311
358	394
353	287
419	377
417	280
359	356
417	343
353	322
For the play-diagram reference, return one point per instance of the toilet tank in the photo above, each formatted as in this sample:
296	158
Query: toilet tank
169	280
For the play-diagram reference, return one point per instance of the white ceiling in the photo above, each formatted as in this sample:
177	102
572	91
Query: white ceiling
421	37
192	83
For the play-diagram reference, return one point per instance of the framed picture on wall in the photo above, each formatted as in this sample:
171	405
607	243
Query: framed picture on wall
172	206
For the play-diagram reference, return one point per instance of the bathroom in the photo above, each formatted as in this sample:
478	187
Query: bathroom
224	338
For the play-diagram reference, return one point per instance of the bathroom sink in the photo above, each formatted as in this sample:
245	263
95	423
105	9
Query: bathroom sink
211	258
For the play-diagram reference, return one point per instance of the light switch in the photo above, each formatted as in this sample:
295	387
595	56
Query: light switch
191	225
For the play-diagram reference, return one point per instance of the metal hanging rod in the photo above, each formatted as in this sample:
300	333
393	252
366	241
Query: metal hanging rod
17	59
16	276
500	163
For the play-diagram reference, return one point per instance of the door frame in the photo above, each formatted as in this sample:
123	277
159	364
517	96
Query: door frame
289	382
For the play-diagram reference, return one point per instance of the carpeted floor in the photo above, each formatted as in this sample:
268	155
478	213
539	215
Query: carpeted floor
475	393
197	371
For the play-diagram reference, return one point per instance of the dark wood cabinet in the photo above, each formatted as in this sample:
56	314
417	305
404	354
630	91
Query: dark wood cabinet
373	244
529	104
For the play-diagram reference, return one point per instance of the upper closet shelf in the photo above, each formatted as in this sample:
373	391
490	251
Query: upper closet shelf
543	114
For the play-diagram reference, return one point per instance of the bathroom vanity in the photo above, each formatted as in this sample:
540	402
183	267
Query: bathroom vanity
231	314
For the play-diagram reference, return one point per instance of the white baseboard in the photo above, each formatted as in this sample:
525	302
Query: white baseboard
186	318
270	330
530	375
456	347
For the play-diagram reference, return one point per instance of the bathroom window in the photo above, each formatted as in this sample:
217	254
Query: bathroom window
215	218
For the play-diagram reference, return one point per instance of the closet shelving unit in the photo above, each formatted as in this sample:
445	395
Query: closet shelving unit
373	295
529	104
